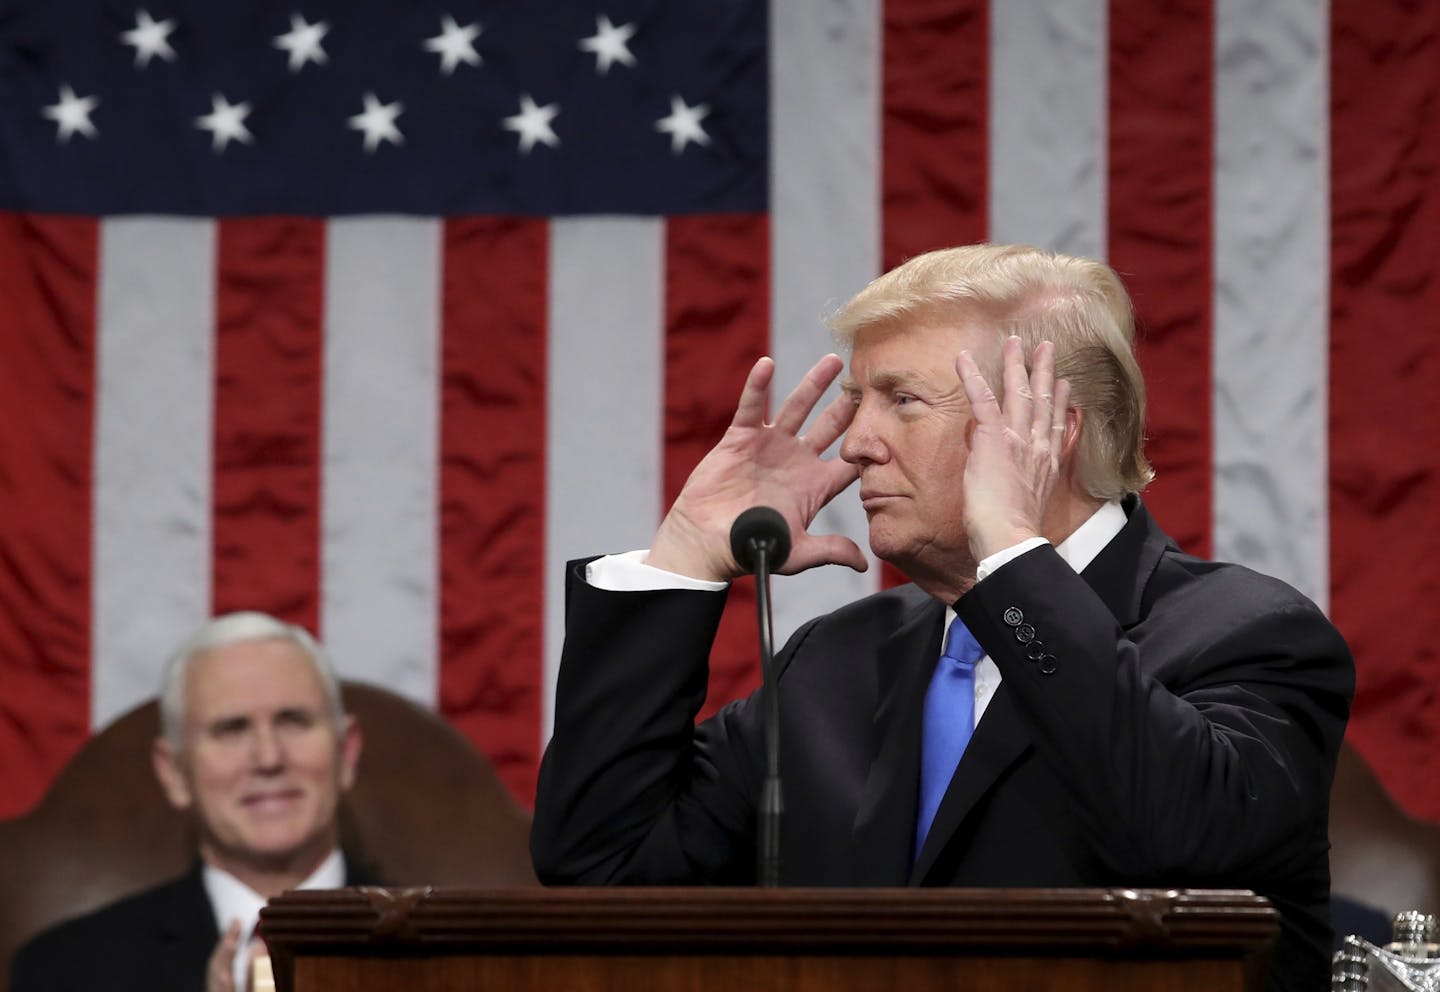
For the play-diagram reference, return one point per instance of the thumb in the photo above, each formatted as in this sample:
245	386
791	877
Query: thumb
826	549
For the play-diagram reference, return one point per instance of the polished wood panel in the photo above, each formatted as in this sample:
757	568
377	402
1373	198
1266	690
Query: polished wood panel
702	939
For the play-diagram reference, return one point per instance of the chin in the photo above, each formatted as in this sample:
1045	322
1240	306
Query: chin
886	545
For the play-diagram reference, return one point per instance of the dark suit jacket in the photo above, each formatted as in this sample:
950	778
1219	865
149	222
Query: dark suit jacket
1186	736
158	940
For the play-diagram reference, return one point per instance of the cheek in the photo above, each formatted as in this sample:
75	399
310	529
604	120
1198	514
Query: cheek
317	759
218	771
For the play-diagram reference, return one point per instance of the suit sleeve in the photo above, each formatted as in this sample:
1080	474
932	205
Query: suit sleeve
1202	740
630	790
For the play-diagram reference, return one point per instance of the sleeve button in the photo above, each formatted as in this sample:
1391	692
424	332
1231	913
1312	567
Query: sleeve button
1013	616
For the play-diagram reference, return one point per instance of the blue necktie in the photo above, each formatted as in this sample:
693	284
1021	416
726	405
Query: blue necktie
949	720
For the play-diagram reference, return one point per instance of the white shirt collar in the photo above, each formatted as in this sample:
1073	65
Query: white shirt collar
231	899
1089	539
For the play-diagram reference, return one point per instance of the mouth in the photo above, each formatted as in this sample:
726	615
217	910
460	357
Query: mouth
873	498
272	800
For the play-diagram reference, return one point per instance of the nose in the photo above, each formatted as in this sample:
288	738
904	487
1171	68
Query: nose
863	444
267	751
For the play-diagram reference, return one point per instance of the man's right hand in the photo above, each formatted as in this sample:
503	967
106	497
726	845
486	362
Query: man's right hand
220	973
764	464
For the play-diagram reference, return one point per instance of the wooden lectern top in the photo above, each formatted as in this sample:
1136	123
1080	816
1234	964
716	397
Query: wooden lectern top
704	938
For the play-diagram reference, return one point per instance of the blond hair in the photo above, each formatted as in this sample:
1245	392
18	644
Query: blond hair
1078	304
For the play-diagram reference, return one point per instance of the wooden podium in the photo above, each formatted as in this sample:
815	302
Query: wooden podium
673	939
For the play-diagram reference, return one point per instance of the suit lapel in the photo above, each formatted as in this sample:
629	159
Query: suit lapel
1120	573
885	820
998	742
186	933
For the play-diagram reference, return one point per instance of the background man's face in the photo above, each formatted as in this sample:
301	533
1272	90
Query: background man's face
263	764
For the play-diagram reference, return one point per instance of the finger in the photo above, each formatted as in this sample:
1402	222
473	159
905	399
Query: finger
755	396
832	422
220	975
984	408
826	549
1017	405
802	399
1042	392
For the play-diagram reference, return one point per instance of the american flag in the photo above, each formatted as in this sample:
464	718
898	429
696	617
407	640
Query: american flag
370	314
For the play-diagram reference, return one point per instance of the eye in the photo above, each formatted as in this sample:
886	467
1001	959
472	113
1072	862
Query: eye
295	719
904	399
229	730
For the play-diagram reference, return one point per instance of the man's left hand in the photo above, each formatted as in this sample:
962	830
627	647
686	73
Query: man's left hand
1015	447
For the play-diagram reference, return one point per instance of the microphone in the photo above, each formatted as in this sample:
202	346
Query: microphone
758	529
760	542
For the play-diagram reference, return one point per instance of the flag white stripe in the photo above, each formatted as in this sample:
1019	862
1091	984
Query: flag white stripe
153	451
1271	288
825	227
379	504
605	380
1047	161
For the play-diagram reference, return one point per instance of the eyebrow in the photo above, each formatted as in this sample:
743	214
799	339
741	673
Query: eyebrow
885	381
227	723
239	721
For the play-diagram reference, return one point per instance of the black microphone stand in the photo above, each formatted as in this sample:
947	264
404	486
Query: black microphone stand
772	803
760	542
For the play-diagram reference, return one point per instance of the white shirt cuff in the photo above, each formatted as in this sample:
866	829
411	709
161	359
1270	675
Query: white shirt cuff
629	573
1005	556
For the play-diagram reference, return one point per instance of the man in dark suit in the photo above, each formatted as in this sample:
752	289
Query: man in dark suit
1139	716
256	746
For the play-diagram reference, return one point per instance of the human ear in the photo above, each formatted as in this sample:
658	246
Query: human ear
351	743
171	775
1074	421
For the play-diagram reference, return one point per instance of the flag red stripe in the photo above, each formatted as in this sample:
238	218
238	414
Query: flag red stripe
934	187
269	373
1161	84
1385	375
492	486
47	375
717	317
934	182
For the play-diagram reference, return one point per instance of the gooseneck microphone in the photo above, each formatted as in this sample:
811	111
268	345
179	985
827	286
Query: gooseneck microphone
760	542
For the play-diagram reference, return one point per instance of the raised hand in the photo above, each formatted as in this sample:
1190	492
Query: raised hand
1015	448
220	972
770	464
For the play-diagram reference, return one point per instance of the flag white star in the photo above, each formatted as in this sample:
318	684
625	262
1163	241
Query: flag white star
378	122
454	44
71	113
683	124
608	43
533	124
225	122
302	41
150	38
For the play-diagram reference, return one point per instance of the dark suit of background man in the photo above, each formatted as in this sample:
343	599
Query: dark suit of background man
1145	717
256	746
